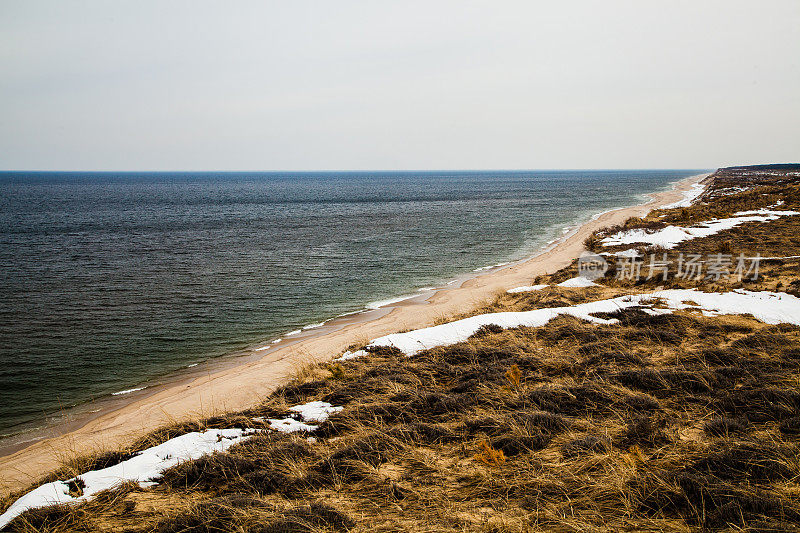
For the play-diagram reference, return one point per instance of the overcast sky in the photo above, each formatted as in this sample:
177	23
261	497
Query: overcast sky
293	85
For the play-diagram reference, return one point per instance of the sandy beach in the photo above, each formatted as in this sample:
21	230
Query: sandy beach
245	382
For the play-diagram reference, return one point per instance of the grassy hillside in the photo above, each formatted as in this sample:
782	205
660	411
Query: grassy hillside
658	422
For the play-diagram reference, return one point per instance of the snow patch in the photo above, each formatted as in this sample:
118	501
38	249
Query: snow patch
526	288
289	425
346	356
147	466
577	282
144	468
768	307
632	253
315	411
671	236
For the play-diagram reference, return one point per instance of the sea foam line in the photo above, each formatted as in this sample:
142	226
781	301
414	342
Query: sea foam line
128	391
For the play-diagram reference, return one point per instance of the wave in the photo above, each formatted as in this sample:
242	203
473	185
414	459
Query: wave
128	391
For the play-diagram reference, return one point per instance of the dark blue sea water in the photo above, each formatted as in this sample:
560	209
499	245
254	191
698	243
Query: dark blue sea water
108	280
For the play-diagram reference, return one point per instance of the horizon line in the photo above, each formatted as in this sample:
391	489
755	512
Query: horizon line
363	170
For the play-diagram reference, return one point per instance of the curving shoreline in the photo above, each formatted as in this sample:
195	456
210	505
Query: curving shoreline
245	381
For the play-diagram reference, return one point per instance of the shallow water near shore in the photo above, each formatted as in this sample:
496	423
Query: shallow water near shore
110	281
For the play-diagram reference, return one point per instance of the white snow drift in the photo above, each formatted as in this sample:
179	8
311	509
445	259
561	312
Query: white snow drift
769	307
526	288
144	468
671	236
147	466
578	282
309	412
346	356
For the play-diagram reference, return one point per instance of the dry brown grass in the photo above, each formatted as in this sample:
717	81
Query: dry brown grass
598	427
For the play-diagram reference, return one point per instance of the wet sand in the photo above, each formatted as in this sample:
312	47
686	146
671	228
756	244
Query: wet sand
244	382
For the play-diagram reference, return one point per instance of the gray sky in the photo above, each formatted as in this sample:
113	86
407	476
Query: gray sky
196	85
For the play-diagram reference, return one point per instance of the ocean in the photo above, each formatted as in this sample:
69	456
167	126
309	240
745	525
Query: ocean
113	281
